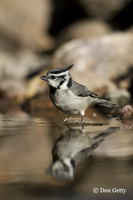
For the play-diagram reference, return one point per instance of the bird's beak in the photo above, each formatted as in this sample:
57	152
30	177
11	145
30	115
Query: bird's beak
44	78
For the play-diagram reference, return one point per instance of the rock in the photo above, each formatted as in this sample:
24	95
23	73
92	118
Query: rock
21	64
14	89
120	97
14	70
103	9
127	112
128	124
25	23
109	56
127	117
34	86
83	28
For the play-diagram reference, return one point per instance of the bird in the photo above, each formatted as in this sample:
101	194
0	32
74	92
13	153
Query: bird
69	96
71	148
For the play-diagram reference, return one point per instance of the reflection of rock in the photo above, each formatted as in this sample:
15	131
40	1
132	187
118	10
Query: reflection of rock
128	124
71	148
120	97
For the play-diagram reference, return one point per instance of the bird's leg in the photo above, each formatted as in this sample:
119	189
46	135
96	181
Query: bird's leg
83	129
80	121
82	116
66	119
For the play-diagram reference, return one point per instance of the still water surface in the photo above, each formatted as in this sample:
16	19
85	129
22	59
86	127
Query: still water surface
27	170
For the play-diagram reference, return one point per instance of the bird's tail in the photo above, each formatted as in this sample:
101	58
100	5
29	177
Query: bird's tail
103	102
105	133
99	138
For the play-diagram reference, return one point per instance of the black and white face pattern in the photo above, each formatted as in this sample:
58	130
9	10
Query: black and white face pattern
59	79
62	169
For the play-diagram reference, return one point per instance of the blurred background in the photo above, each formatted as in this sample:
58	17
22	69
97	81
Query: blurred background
36	36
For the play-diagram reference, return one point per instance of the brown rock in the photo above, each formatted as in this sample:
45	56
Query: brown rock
13	72
127	117
83	29
25	23
127	112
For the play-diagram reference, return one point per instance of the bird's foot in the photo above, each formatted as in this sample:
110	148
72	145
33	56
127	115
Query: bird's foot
77	122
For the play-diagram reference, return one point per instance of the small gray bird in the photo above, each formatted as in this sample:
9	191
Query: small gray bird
73	147
69	96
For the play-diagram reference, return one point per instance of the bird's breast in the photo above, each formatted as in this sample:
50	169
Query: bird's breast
68	102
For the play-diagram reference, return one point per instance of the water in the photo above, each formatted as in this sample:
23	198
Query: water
26	143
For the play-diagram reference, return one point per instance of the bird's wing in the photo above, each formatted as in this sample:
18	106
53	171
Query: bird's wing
81	90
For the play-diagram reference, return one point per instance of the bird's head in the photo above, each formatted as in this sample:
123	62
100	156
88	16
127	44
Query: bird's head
59	78
62	169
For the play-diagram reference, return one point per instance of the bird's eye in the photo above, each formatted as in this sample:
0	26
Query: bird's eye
53	77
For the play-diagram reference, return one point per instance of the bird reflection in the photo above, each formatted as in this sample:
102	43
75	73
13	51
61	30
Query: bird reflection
71	148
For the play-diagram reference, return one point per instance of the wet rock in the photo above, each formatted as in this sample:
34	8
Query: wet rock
103	9
83	29
120	97
127	117
25	23
127	112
